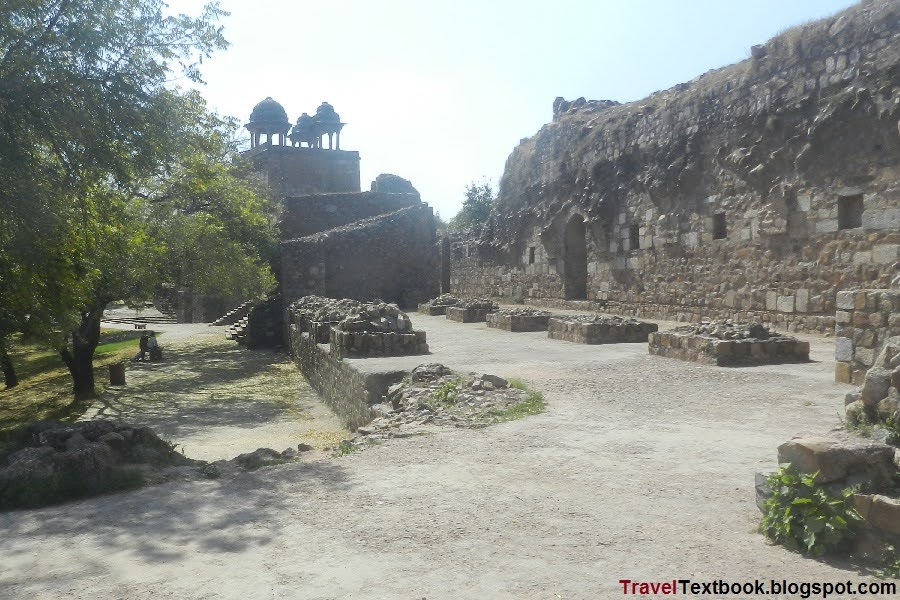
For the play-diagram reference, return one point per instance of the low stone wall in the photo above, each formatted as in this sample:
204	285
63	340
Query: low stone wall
434	311
711	351
347	391
695	314
607	331
352	344
516	323
865	319
467	315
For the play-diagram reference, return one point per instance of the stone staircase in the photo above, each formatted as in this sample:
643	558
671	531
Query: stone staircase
238	331
235	315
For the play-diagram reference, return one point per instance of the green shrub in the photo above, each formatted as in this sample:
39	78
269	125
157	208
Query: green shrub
447	393
804	516
344	448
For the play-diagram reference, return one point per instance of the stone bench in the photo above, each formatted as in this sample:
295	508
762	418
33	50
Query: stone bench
629	332
712	351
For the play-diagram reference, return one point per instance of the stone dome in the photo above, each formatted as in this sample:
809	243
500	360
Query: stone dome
325	114
269	114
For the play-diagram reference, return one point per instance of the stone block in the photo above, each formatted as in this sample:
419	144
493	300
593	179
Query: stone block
826	226
786	304
843	349
884	514
842	372
886	254
801	300
467	315
864	356
771	301
887	219
875	386
845	300
843	317
835	460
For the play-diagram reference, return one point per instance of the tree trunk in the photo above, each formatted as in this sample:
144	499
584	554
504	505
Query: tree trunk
80	359
9	372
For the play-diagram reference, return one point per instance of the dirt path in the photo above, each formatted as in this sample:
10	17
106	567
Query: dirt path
641	468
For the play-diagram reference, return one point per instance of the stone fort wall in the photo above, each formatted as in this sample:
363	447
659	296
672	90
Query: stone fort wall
758	190
294	171
311	214
392	257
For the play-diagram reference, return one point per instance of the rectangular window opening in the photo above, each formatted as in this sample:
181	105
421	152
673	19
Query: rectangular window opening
634	237
850	210
531	255
720	228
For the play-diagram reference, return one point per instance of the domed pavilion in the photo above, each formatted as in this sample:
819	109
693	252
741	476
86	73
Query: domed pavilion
268	118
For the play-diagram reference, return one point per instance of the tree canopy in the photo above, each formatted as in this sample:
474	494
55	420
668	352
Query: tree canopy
476	207
111	178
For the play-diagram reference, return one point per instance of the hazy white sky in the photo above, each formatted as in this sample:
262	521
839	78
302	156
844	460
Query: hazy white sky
441	92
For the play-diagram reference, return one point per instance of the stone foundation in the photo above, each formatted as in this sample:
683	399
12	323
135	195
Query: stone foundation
348	392
352	344
711	351
434	311
468	315
516	323
865	319
605	331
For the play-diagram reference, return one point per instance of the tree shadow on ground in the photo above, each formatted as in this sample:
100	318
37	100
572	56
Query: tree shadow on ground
212	384
173	521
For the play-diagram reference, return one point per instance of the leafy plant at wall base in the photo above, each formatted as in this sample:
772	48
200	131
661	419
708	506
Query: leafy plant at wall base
892	425
804	516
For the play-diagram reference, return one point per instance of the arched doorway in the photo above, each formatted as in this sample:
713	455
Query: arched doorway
575	260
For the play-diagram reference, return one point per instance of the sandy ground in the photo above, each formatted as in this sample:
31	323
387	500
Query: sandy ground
641	468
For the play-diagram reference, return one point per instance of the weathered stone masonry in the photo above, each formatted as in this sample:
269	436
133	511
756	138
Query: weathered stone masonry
392	257
866	319
756	191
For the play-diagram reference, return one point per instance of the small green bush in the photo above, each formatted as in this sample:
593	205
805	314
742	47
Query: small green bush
344	448
447	393
804	516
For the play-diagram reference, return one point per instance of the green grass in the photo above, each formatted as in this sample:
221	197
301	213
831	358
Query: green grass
45	385
344	448
533	404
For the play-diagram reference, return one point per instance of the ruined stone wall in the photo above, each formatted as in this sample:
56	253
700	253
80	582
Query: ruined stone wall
392	257
294	171
306	215
347	391
866	319
758	190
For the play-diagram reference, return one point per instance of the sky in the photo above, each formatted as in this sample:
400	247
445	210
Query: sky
441	92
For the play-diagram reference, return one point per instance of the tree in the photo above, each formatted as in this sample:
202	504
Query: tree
87	115
212	217
476	207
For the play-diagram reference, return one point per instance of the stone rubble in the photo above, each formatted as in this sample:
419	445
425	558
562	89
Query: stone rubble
435	396
727	329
